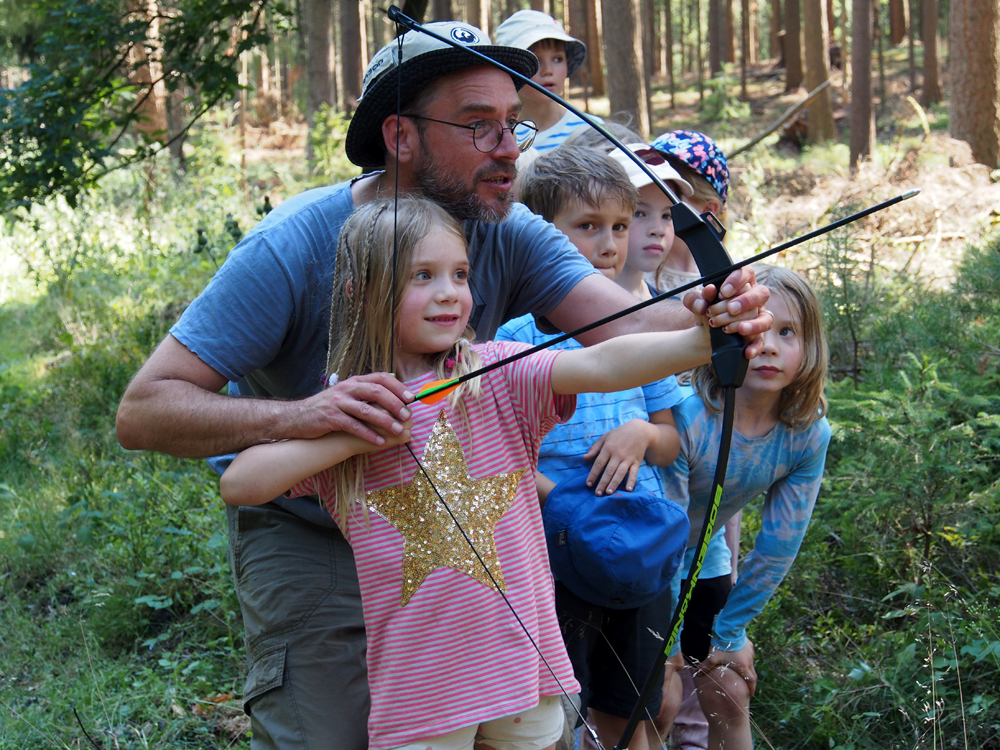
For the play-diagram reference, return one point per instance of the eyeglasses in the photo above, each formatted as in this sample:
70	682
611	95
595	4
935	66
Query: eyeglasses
487	134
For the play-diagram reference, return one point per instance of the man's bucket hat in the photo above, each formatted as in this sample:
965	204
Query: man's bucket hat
618	551
424	60
527	27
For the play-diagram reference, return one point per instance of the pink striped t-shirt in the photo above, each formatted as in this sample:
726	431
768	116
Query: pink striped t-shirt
454	656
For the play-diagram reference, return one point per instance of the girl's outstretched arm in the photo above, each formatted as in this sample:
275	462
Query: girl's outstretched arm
263	472
630	361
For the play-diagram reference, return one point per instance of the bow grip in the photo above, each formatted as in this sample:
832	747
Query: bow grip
703	236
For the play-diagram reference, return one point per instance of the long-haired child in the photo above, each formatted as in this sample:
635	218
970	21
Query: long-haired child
779	449
448	663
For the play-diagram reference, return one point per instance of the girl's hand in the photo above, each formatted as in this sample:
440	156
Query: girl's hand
618	454
741	662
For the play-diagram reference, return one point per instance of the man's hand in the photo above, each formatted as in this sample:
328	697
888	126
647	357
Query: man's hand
363	406
741	662
619	454
739	310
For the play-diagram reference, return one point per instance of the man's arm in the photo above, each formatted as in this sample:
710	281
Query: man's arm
595	296
173	405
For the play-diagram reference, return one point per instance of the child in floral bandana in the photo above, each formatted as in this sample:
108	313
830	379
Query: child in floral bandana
700	161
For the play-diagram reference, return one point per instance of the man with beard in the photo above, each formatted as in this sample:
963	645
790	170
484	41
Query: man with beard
262	322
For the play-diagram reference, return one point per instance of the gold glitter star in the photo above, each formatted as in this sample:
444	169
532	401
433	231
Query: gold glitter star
430	537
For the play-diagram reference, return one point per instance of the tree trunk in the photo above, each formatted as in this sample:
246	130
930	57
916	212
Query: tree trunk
754	32
845	54
474	13
831	19
793	46
320	84
728	33
623	43
862	122
776	26
576	25
715	37
350	52
512	7
595	53
441	10
820	110
897	21
697	52
656	21
929	30
911	52
415	9
539	5
647	32
485	15
745	47
146	74
668	45
974	76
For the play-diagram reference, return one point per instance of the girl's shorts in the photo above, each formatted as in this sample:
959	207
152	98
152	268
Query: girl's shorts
534	729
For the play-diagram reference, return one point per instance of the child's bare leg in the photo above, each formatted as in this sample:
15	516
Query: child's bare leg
672	696
725	699
609	730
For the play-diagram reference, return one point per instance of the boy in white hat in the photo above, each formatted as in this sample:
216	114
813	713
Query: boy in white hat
559	55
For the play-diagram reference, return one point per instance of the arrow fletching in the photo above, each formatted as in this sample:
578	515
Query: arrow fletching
437	390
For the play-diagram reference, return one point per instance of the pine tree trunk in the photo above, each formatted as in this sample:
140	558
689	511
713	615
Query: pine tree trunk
862	120
441	10
623	44
647	32
350	52
929	29
728	33
897	21
146	73
820	109
319	65
697	52
793	46
715	37
745	46
595	53
656	20
668	44
974	76
911	52
474	13
776	26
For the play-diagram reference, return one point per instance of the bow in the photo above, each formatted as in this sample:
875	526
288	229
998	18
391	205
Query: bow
703	235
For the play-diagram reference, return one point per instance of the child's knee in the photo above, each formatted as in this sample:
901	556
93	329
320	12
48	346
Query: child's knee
723	694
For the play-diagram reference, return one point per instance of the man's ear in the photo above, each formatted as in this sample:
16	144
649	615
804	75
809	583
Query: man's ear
409	138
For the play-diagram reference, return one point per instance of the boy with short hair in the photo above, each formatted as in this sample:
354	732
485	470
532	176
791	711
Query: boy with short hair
559	55
589	197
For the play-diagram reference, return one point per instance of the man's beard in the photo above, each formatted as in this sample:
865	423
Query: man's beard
454	195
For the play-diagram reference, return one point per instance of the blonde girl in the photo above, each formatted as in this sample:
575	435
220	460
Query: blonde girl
448	663
779	449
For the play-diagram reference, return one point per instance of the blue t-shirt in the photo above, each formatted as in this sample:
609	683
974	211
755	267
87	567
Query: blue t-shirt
786	464
263	321
562	451
554	136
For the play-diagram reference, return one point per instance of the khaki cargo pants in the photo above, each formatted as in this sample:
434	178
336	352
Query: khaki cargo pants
307	685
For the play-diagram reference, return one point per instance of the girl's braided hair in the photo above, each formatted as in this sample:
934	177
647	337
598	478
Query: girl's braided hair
361	310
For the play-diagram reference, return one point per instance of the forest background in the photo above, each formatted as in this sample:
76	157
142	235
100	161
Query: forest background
139	141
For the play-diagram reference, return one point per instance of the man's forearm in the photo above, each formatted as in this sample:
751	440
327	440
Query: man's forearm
185	420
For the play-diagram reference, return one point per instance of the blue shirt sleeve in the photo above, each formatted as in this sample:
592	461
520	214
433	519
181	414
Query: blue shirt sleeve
663	394
788	507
